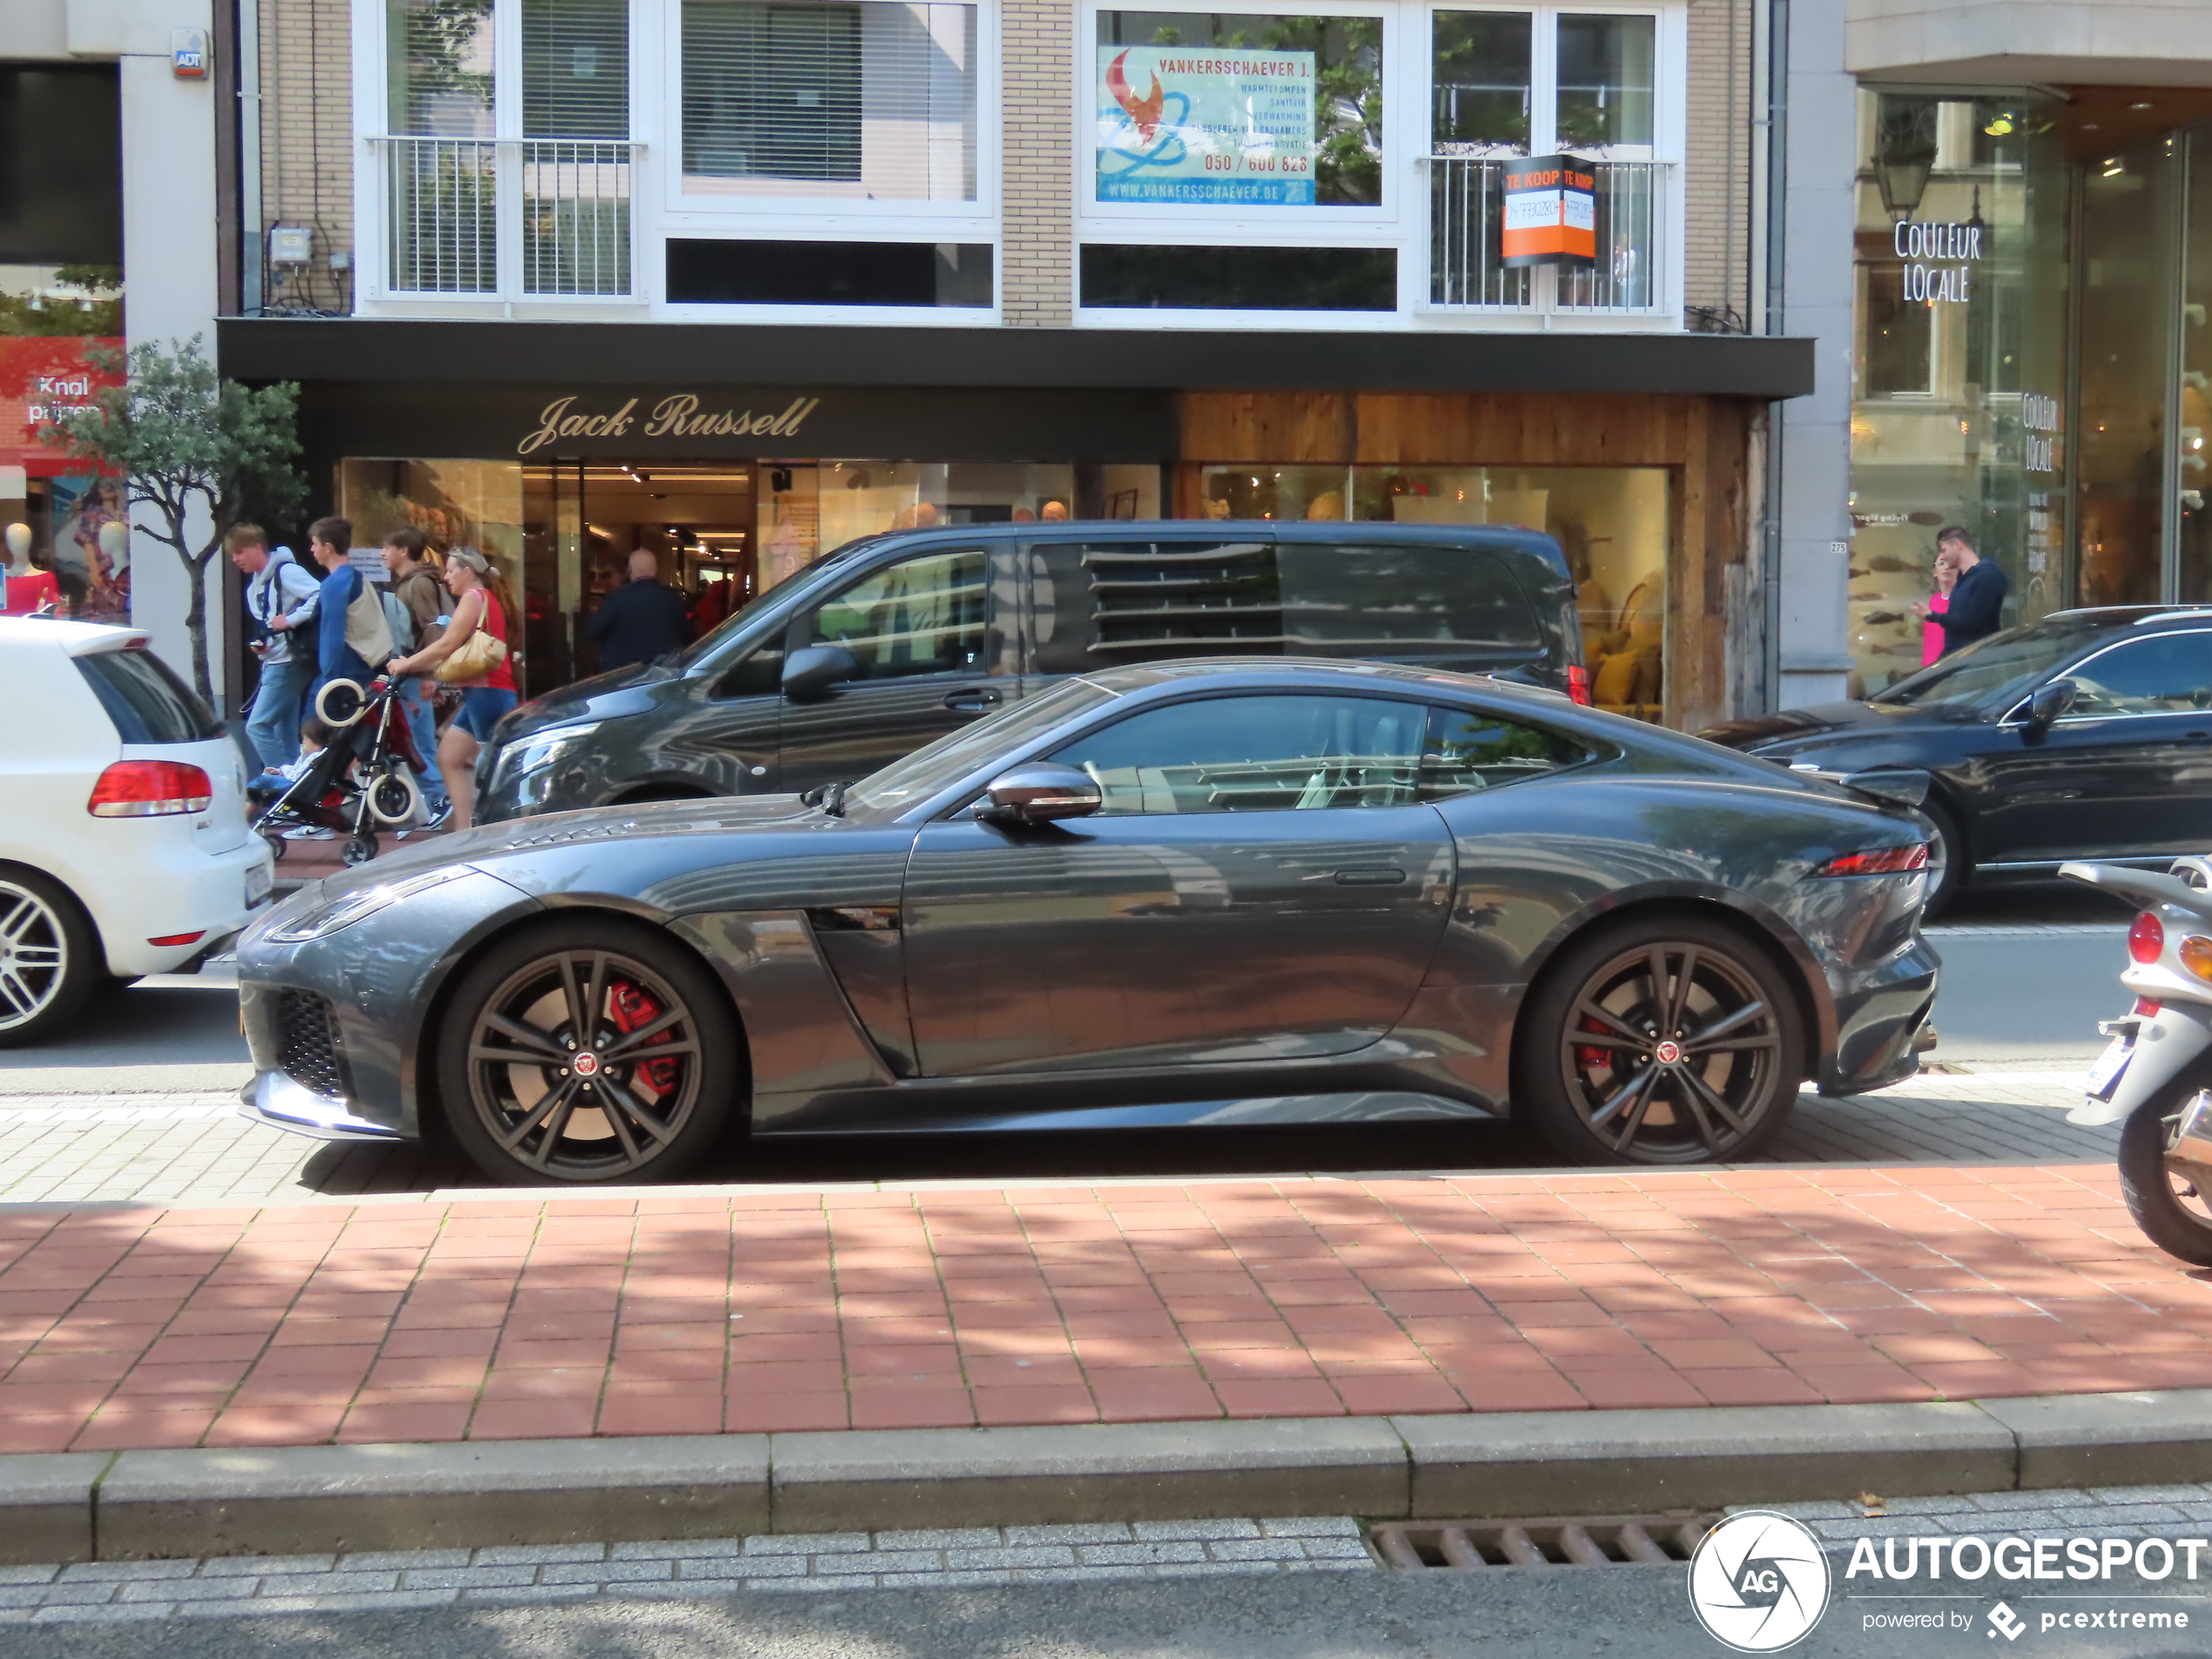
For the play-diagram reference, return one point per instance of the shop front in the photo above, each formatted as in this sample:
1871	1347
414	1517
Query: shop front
734	483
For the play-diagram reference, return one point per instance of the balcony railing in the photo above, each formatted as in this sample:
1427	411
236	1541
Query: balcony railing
538	218
1469	272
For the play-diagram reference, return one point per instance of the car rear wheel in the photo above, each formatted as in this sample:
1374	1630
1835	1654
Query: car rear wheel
1671	1041
49	959
1946	859
587	1052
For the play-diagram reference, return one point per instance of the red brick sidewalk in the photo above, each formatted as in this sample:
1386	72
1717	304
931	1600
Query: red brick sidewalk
689	1312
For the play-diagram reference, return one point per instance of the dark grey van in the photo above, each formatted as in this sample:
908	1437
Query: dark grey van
894	640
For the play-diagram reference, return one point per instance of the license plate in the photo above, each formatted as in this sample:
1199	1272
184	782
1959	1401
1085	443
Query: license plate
2104	1076
259	880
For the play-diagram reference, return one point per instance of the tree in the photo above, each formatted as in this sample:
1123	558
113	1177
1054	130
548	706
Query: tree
183	438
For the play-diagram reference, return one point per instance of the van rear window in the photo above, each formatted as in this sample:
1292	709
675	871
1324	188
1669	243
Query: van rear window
146	701
1100	604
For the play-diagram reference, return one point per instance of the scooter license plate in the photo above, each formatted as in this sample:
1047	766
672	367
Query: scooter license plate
2105	1075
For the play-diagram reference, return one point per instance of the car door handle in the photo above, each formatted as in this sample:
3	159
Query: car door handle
1371	877
971	701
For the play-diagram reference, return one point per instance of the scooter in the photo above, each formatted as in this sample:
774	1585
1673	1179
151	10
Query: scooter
2154	1075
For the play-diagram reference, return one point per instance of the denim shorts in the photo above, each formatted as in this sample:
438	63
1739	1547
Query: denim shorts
482	708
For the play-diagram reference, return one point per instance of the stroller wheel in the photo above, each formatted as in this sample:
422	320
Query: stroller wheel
340	703
394	799
359	850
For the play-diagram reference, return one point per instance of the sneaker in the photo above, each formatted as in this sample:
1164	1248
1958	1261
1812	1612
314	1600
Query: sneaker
310	832
439	819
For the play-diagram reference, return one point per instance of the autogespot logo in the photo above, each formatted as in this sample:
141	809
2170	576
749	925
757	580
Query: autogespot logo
1758	1582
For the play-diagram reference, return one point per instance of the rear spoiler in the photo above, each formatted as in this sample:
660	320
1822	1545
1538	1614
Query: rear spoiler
1892	785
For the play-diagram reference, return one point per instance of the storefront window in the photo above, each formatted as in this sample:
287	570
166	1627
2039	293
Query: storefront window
1611	521
1961	375
453	503
861	98
1239	110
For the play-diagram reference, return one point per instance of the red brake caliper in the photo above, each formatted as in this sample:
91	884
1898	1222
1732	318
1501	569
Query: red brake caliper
630	1008
1592	1059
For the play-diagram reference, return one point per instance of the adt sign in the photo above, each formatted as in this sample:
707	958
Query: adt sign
188	59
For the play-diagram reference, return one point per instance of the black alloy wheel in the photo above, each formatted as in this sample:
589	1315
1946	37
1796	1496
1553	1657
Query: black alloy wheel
1946	859
49	958
585	1052
1675	1041
2168	1202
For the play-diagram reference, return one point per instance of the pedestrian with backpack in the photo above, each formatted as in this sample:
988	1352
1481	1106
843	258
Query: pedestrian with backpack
280	601
413	603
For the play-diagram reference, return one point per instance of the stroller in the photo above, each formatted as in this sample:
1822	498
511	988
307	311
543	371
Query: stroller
362	780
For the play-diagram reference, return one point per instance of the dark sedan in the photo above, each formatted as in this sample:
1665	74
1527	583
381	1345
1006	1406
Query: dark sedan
1223	892
2087	735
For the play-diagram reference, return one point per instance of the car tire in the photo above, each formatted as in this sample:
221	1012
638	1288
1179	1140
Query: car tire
524	1107
2179	1224
1947	872
51	958
1607	1059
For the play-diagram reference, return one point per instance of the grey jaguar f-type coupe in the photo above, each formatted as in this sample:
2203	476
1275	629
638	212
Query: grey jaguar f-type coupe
1192	893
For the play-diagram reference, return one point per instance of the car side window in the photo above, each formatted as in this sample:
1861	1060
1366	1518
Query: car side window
1264	753
1469	750
930	615
2160	674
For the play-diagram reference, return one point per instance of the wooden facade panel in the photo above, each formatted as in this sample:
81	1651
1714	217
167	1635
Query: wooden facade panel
1310	427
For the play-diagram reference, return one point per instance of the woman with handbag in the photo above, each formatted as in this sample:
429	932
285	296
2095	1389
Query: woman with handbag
470	656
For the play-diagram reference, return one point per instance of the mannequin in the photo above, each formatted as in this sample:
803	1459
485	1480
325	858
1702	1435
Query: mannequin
27	589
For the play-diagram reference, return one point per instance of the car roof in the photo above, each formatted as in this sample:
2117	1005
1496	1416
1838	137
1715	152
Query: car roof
1312	673
1367	532
77	638
2130	617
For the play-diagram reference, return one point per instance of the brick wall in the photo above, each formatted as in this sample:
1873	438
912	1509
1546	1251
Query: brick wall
1717	161
1037	284
308	141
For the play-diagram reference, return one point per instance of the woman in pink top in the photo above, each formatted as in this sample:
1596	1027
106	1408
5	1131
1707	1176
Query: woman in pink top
1938	601
485	703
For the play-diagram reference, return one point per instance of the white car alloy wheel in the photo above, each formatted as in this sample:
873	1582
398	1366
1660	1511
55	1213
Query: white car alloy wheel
35	955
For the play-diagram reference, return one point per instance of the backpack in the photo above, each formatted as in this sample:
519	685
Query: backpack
399	619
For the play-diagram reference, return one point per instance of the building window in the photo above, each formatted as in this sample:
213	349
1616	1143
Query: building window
861	100
1117	275
1239	110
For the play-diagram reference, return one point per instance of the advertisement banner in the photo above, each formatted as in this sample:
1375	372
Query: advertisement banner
1229	127
1550	211
41	379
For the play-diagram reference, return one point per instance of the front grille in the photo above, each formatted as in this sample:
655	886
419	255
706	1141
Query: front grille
1588	1542
307	1049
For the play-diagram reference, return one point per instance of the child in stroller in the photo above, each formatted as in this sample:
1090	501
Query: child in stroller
362	780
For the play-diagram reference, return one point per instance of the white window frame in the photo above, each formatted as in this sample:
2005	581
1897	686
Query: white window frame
1401	221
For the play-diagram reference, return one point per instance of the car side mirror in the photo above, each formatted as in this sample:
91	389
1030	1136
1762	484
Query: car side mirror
1039	793
812	669
2049	702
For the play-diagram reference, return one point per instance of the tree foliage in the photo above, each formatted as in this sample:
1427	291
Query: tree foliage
96	310
201	453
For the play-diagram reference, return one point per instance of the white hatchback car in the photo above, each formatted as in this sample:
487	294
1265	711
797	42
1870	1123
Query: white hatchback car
124	845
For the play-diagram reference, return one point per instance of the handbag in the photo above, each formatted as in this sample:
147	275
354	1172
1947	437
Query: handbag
478	655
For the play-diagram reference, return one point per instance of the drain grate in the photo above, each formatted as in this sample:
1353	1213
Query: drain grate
1584	1542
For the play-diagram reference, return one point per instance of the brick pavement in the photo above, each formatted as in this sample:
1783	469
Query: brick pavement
433	1317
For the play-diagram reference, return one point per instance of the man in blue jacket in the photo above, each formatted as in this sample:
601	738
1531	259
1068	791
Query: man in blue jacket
329	540
281	596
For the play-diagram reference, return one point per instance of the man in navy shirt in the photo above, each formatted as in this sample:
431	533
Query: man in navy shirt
337	632
1976	597
640	621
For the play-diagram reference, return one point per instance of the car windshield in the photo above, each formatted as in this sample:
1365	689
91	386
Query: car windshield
728	627
882	796
2000	667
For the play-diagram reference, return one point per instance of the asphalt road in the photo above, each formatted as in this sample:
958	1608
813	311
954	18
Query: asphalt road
1543	1614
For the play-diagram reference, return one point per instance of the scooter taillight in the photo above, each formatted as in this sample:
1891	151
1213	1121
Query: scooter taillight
2145	1008
2147	938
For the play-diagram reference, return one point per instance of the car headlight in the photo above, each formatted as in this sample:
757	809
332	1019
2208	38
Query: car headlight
327	919
537	750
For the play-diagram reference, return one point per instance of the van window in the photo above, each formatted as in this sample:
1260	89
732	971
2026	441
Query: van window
1101	604
147	702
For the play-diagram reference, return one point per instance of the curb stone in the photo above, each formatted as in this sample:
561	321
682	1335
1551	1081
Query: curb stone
349	1499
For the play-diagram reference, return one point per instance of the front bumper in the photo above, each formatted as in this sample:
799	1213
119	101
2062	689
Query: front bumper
276	1100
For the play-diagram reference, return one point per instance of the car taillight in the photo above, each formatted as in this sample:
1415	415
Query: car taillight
1889	860
2147	938
1578	685
151	789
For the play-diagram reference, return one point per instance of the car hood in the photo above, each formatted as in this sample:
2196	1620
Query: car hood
1793	728
603	696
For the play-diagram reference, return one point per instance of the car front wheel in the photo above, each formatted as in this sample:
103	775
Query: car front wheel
585	1052
1671	1041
